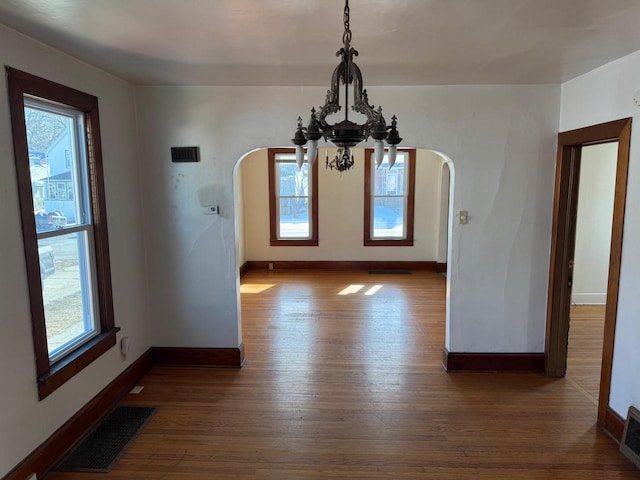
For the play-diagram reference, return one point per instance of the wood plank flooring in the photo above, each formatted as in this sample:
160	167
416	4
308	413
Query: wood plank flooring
586	332
350	386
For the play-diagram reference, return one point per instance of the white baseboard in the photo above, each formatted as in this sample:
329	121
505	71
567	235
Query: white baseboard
589	298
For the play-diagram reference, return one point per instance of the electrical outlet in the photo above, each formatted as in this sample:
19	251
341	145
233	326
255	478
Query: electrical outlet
463	217
271	266
125	345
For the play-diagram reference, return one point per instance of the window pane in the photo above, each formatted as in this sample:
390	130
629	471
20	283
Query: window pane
51	140
292	181
294	218
388	217
66	290
390	182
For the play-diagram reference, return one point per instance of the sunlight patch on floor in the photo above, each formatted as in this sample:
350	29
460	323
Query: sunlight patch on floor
373	290
351	289
255	287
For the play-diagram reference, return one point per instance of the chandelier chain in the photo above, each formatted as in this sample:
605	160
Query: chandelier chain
346	36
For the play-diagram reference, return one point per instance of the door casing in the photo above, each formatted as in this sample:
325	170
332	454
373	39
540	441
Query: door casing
570	144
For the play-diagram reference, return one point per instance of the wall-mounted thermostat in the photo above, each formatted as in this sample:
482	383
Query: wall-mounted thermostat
185	154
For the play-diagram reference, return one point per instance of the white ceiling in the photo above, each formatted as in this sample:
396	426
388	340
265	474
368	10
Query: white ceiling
293	42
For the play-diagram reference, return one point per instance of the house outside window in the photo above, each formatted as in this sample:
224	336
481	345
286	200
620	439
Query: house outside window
293	200
65	234
389	200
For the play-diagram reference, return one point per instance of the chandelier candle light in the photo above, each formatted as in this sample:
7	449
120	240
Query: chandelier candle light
346	134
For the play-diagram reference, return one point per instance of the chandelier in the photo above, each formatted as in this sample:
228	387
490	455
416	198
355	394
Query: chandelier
346	134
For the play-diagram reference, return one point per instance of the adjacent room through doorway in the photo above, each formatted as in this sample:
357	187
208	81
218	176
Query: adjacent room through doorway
597	180
270	195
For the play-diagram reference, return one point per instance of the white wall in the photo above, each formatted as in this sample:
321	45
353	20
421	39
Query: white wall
603	95
502	142
340	212
593	223
26	422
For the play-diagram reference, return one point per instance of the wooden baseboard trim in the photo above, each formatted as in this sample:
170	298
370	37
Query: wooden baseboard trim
244	268
492	362
340	266
198	357
441	267
613	425
43	458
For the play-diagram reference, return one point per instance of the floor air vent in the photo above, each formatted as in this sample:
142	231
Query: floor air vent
630	444
101	450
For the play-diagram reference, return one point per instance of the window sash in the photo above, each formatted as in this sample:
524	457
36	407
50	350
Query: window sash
83	255
402	235
391	233
88	288
76	158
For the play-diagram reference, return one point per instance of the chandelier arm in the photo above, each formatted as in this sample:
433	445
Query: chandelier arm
332	101
331	104
361	99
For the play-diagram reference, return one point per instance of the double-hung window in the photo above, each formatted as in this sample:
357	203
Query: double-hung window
293	200
389	200
56	138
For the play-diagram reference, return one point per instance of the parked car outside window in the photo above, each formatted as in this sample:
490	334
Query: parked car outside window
49	221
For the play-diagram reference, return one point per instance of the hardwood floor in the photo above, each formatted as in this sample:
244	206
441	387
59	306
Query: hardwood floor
350	386
586	332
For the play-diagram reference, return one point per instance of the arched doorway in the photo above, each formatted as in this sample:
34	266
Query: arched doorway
341	200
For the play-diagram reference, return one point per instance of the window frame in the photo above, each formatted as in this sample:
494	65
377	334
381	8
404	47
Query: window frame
369	168
273	204
50	376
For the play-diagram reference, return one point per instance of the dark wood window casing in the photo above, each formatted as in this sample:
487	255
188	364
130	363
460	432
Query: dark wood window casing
369	241
51	376
273	208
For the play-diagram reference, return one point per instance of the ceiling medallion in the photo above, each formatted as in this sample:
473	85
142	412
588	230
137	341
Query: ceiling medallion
346	134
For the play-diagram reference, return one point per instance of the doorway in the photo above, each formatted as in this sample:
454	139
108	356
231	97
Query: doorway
341	229
561	271
591	266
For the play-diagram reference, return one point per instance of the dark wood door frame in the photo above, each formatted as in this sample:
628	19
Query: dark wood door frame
562	242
